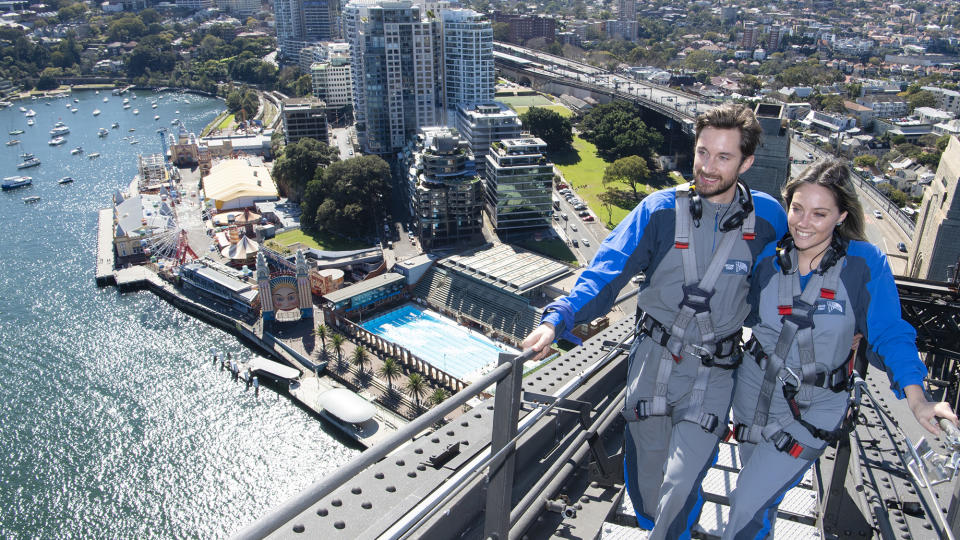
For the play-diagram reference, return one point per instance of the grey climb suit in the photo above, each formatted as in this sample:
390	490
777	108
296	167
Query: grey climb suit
865	301
666	458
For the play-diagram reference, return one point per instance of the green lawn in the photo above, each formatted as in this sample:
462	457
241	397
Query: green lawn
560	109
322	242
583	170
525	101
226	122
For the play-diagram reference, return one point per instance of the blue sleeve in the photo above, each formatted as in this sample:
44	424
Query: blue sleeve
770	209
762	271
624	253
890	337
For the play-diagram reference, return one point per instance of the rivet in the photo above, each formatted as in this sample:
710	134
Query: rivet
366	505
336	502
356	491
391	489
378	476
401	463
322	512
412	474
298	528
339	524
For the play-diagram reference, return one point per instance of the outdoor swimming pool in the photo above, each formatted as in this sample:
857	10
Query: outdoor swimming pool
438	340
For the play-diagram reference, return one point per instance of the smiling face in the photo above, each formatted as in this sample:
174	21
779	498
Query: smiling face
812	216
717	163
284	297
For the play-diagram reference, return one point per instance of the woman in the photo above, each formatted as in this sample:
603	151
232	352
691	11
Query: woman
820	285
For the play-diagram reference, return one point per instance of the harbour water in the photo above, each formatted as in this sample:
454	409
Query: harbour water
115	421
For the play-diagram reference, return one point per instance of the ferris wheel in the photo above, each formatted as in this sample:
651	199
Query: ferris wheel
168	247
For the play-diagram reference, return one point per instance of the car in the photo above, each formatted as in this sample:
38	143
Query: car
877	214
586	242
902	247
556	217
583	213
809	155
588	217
573	227
580	207
575	243
564	217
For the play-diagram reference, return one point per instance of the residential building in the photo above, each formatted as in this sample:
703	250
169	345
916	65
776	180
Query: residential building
751	34
776	35
304	117
396	72
935	248
947	100
446	195
523	28
241	8
483	123
518	185
911	129
771	159
826	123
302	23
194	4
931	115
621	29
885	105
331	75
468	72
627	10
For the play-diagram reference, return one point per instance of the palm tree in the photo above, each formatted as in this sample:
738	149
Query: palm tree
336	341
359	358
416	385
390	370
321	332
438	396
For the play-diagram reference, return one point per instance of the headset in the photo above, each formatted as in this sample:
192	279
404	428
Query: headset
836	251
735	220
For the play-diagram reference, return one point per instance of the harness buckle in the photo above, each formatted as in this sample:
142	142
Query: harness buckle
786	443
641	410
804	319
701	305
709	422
740	432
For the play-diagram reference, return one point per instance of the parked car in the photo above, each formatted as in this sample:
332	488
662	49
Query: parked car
583	213
877	214
573	227
580	207
575	243
586	242
588	218
902	247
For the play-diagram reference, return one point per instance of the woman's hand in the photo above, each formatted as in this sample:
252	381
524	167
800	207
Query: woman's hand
540	340
926	411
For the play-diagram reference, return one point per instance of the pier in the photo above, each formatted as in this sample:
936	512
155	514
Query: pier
105	262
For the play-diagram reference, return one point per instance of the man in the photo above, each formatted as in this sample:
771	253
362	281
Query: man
697	246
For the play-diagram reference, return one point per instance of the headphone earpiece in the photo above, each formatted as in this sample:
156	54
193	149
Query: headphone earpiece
696	205
784	245
744	198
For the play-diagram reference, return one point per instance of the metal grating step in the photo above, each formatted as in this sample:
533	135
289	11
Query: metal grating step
796	518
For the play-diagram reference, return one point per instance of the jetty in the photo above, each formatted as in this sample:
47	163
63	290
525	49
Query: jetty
105	261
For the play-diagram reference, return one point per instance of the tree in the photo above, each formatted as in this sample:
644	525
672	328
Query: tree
416	386
390	370
923	98
555	130
438	396
866	161
360	358
347	197
46	82
501	31
298	165
617	131
700	61
631	170
321	332
336	342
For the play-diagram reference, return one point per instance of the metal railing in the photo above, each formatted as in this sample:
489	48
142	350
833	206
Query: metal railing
497	460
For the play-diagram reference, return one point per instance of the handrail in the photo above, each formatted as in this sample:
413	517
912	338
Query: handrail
323	487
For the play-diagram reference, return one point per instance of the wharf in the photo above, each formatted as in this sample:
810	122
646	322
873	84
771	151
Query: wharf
307	388
105	261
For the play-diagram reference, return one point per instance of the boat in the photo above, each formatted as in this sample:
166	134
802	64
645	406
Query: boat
96	112
131	130
153	105
31	113
156	117
105	100
126	101
59	129
133	96
56	141
136	111
177	111
30	122
23	109
16	132
77	150
13	142
93	155
102	132
73	110
75	100
29	162
5	104
174	121
69	106
126	105
65	180
134	141
32	198
115	125
14	182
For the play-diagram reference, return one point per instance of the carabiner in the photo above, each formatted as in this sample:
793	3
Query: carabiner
792	374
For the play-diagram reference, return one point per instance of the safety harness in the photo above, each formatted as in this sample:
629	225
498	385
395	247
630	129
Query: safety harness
796	308
697	291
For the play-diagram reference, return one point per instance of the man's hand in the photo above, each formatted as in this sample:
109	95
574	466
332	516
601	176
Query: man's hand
926	411
539	340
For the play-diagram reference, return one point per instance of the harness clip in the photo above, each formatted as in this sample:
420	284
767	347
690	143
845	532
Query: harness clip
641	410
698	306
709	422
786	443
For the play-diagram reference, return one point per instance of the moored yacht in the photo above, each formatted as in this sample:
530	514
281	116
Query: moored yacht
77	150
57	141
102	132
14	182
96	112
